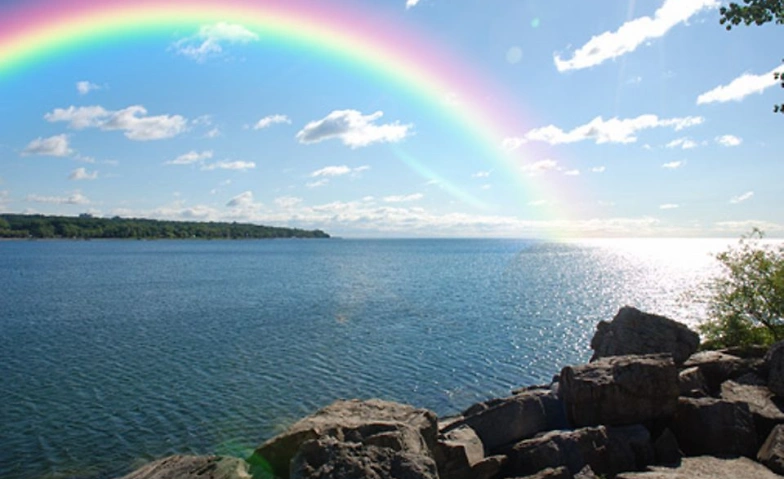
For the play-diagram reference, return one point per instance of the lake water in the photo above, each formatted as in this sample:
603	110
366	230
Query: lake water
113	353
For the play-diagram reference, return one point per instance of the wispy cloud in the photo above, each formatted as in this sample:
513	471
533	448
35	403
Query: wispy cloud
53	146
190	158
84	87
209	41
741	198
133	121
683	143
601	131
728	140
243	199
740	88
572	172
540	166
75	198
482	174
411	3
82	174
317	183
353	128
669	206
632	34
673	165
287	202
403	198
230	165
598	169
270	120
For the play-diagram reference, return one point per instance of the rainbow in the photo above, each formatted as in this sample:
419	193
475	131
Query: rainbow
32	31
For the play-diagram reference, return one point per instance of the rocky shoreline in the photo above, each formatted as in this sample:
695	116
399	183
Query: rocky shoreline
647	406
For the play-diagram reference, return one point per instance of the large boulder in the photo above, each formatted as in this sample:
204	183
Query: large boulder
717	367
764	406
620	390
634	332
499	422
329	458
372	423
692	383
772	451
193	467
714	427
605	450
775	363
457	452
706	467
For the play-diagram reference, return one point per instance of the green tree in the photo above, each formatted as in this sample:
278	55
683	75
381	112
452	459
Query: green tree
745	305
756	12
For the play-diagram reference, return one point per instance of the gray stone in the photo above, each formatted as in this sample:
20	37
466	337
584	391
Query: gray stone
499	422
193	467
489	467
329	458
772	451
620	390
692	383
586	473
775	364
706	467
374	422
457	452
630	448
634	332
763	405
551	473
715	427
717	367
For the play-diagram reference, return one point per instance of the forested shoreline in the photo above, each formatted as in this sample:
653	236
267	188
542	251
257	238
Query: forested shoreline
90	227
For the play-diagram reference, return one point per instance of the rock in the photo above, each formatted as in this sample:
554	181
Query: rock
457	452
717	367
630	448
666	449
747	352
691	383
193	467
551	473
775	363
620	390
585	473
764	407
503	421
706	467
489	467
634	332
715	427
373	422
570	449
329	458
772	451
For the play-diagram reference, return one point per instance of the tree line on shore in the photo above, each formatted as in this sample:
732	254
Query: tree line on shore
86	226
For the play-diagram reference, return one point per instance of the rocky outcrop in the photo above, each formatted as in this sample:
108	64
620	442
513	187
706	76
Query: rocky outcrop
764	406
634	332
717	367
771	453
507	420
329	458
457	452
382	424
713	426
620	390
774	361
706	467
193	467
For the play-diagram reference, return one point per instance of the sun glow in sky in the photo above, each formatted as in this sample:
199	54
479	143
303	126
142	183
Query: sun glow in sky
398	118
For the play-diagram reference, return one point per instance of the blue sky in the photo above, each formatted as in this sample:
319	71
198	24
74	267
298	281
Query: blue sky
646	118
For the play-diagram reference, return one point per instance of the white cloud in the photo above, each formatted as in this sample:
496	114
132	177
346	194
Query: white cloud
601	131
190	158
403	198
683	143
741	198
598	169
572	172
632	34
208	42
353	128
82	174
729	140
486	187
669	206
540	166
331	171
740	88
411	3
230	165
214	133
482	174
242	200
53	146
317	183
133	121
287	202
270	120
85	87
672	165
75	198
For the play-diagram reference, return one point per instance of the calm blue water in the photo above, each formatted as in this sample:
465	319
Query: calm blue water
113	353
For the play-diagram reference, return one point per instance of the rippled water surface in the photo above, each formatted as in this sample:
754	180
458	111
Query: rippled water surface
113	353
